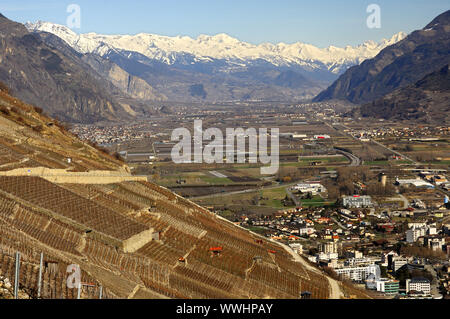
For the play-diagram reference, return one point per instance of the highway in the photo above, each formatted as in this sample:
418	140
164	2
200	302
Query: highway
381	145
395	152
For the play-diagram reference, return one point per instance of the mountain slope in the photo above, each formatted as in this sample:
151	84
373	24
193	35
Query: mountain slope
397	66
60	80
426	101
129	236
227	68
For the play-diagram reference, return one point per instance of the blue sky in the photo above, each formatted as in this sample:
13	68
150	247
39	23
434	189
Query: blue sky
319	22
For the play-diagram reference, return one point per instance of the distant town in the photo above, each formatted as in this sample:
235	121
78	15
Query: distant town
367	202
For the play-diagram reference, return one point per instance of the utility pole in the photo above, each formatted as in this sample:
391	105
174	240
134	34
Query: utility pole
41	264
79	291
16	277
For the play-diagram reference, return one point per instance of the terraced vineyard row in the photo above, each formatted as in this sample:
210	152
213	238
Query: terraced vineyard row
63	202
195	255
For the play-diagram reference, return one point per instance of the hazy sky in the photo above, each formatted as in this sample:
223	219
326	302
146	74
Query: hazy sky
319	22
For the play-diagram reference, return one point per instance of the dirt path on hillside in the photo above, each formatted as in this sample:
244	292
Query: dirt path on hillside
335	290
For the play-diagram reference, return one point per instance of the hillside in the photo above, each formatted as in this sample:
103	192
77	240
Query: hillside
397	66
426	101
77	205
57	79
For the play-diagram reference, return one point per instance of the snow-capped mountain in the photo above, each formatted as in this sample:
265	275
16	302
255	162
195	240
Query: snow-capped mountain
218	68
172	50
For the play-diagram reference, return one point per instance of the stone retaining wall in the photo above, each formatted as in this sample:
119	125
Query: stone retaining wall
62	176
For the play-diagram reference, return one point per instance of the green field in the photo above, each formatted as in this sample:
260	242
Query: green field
316	201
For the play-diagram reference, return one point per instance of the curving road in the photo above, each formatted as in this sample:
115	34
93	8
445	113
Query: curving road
354	160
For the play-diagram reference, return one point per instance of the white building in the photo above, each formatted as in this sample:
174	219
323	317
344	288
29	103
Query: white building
435	243
357	201
386	257
388	286
306	231
329	247
313	188
399	262
414	182
413	234
358	262
418	230
322	137
417	225
359	274
418	285
327	256
298	248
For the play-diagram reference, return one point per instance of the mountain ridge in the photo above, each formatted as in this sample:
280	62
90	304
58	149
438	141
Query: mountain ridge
221	46
396	66
225	68
40	74
426	101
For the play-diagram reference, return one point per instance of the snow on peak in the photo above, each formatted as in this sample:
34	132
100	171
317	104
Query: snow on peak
219	46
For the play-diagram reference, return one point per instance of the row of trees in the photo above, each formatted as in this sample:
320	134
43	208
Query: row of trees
422	252
345	183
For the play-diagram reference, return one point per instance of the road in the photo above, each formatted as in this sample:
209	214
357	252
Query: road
405	201
434	284
335	290
400	198
245	191
354	160
293	197
395	152
377	143
338	223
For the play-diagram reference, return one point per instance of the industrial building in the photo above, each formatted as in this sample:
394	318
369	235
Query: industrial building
313	188
357	201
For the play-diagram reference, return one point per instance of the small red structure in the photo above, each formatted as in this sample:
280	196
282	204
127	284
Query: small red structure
272	251
259	241
216	251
